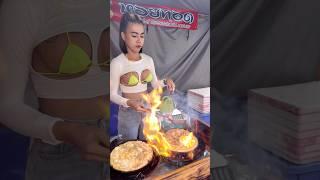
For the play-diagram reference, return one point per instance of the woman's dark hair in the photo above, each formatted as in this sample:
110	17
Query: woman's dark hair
125	20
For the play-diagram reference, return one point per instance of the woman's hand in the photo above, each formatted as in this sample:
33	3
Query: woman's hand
170	85
91	141
137	105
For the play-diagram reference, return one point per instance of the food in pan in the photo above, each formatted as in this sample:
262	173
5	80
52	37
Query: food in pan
131	156
181	140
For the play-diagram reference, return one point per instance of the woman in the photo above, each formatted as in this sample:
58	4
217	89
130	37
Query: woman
62	47
131	71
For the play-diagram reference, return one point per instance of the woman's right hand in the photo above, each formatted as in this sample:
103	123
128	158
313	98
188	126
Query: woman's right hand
91	141
137	105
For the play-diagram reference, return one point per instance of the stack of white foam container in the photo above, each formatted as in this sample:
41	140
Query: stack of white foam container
286	121
199	99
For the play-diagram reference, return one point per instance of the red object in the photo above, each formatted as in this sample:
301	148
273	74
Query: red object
202	130
157	15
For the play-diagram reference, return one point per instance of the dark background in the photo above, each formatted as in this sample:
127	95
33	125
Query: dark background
263	43
255	44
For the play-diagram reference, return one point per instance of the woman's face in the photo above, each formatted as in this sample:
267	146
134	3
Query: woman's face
133	37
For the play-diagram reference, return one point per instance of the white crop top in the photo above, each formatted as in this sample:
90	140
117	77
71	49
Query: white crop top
24	24
90	20
120	66
93	83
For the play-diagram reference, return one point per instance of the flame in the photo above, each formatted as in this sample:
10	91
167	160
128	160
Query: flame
188	140
152	125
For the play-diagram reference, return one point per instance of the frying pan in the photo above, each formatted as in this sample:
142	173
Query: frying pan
183	158
136	174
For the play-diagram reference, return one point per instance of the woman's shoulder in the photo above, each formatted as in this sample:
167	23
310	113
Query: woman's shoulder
146	57
118	59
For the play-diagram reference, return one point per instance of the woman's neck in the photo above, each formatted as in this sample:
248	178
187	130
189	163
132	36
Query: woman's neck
133	56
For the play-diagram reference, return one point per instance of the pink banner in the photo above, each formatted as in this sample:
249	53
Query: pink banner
157	15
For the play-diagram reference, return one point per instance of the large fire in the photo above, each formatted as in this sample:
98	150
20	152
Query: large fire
152	127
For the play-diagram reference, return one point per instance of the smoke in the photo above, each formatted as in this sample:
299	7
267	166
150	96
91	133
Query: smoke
181	103
230	127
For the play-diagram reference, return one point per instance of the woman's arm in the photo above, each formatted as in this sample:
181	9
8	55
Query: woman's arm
17	31
115	69
155	82
160	83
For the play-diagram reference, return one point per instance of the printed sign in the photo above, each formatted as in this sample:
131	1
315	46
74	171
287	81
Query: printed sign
157	15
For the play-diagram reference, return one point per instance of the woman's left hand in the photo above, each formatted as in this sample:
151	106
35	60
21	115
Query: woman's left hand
170	85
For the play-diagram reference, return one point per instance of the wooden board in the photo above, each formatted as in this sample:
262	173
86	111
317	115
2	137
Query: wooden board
197	170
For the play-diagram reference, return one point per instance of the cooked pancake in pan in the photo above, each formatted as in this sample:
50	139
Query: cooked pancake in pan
131	156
